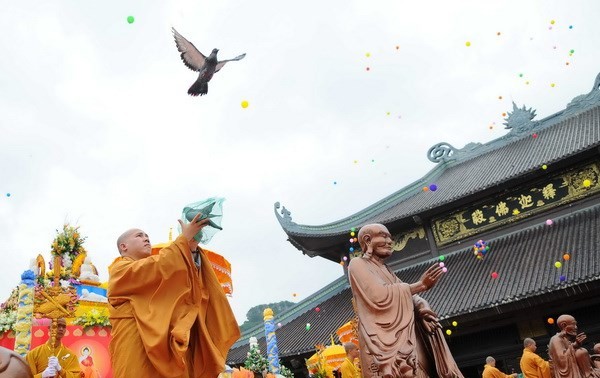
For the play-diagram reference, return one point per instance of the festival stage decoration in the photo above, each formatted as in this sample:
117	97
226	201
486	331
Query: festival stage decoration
206	66
326	359
69	289
221	266
271	340
348	333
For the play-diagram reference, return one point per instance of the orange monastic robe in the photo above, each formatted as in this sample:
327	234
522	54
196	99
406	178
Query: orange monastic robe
534	366
348	370
490	371
37	358
169	318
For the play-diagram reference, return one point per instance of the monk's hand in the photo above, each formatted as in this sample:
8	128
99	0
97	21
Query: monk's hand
191	229
431	276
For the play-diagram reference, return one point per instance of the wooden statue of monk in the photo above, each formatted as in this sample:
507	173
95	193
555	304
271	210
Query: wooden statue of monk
12	365
399	334
170	317
569	358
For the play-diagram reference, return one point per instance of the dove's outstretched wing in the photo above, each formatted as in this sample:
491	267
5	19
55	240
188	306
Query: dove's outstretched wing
191	57
222	62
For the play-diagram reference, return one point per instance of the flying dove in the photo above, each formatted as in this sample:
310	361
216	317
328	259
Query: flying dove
196	61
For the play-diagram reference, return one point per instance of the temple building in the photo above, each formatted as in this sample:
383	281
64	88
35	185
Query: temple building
532	196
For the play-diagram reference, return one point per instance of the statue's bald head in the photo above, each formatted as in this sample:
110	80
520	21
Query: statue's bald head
368	230
564	320
12	365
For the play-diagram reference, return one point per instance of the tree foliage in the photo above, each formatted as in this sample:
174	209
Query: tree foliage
254	316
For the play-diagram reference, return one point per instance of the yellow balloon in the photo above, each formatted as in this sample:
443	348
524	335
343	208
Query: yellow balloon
448	332
455	323
244	104
468	44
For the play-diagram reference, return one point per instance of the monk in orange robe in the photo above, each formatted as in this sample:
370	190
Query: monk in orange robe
170	317
54	361
532	365
491	371
399	334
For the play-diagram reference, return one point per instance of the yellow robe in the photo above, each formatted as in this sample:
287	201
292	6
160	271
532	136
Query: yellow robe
492	372
348	369
534	366
37	358
169	318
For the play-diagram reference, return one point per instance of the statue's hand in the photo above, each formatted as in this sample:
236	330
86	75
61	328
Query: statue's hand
579	340
429	319
431	276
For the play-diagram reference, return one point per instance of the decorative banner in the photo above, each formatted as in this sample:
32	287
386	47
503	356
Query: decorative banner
7	340
564	188
90	347
271	339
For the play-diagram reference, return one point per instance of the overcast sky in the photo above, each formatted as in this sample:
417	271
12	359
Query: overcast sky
97	129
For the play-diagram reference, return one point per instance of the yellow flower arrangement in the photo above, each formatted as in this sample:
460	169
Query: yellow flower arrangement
93	318
68	241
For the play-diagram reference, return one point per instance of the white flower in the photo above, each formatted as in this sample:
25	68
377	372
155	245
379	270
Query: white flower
67	260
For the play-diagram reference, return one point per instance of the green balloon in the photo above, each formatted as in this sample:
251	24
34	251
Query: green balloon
130	19
442	258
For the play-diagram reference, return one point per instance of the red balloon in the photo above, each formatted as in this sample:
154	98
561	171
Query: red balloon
494	275
317	309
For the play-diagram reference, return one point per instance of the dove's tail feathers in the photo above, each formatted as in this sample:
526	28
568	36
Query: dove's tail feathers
198	88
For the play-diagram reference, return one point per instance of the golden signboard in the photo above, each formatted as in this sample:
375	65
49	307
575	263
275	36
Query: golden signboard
557	190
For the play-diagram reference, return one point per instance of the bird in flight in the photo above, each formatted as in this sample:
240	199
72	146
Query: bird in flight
206	66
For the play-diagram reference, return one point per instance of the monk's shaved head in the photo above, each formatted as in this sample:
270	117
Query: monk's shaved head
490	360
121	239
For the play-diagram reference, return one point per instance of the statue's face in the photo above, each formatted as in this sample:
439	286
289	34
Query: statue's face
381	241
571	327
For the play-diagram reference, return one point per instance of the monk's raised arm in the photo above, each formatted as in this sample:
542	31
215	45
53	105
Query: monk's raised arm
128	276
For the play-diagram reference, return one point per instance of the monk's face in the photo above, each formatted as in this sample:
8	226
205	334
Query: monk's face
135	244
60	329
381	241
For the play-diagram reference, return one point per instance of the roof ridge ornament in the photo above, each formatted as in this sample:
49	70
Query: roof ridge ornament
584	101
519	121
286	216
441	152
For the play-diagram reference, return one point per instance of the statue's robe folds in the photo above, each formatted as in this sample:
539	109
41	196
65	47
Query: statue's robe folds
169	318
568	362
534	366
37	358
13	365
392	339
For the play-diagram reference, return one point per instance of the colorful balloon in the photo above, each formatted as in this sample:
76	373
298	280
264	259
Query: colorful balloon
455	323
557	264
587	183
549	222
308	326
244	104
130	19
433	187
494	275
448	332
550	321
566	257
